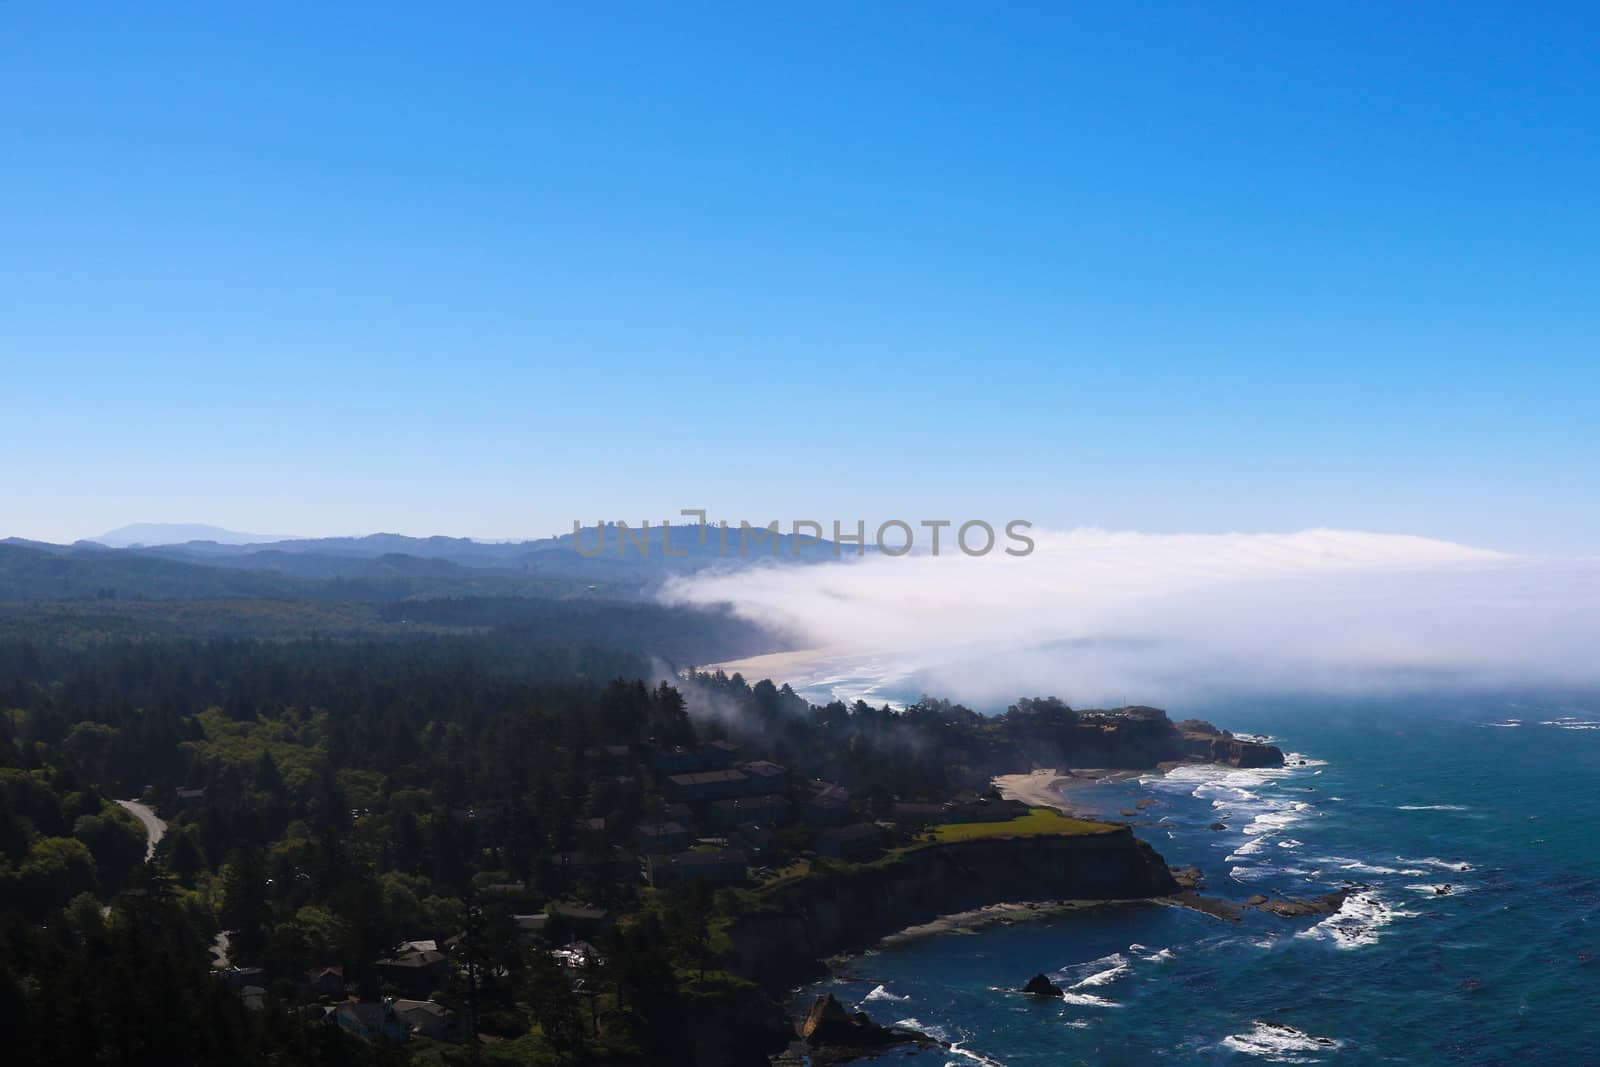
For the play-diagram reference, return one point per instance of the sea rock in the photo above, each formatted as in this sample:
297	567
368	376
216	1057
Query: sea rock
1296	907
827	1023
1041	986
1188	877
1217	826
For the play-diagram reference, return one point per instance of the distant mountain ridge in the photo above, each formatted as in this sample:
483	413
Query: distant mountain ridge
177	533
385	566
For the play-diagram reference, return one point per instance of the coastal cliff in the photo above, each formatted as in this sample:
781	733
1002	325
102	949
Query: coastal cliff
852	907
1202	741
1047	733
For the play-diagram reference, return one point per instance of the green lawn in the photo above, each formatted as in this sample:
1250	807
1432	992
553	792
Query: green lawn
1038	822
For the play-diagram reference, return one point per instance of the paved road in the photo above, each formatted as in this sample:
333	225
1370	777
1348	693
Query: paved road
155	828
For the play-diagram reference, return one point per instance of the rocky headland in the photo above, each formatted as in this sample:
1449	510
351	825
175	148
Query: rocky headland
801	925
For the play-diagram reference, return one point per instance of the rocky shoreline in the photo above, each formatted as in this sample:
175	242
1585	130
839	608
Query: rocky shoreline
828	914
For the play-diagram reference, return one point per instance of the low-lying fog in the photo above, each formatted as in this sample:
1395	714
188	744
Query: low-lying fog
1101	617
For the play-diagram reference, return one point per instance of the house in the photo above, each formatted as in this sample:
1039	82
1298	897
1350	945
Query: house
766	776
324	982
718	755
254	997
530	927
370	1021
969	808
189	795
580	920
577	957
705	786
712	865
661	837
757	841
239	977
415	972
853	841
769	810
674	760
683	815
828	804
965	808
426	1019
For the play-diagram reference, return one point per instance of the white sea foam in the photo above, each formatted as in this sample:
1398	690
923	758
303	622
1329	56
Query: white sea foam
1088	1000
1443	865
1262	872
1278	1043
880	993
1361	867
913	1023
955	1049
1433	807
1249	848
1102	971
1357	922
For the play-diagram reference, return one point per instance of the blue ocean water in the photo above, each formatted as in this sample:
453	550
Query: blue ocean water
1495	798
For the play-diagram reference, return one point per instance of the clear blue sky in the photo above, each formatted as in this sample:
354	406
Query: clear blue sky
335	268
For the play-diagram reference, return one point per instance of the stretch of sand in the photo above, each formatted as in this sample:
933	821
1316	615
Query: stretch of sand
1044	787
775	665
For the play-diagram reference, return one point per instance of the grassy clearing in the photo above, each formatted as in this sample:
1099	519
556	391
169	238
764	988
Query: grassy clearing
1038	822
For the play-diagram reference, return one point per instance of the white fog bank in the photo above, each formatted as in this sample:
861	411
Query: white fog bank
1101	617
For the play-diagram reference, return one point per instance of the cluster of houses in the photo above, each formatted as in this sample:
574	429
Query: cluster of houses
718	818
722	816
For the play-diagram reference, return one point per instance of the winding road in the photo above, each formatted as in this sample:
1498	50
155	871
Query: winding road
155	827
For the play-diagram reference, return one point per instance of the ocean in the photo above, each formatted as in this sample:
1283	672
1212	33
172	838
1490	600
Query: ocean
1476	940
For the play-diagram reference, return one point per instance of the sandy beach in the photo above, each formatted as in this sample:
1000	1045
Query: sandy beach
1044	787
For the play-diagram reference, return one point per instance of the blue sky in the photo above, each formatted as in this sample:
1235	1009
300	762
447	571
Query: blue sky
341	268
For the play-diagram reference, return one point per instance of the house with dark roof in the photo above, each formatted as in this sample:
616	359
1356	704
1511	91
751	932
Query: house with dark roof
758	842
530	927
371	1021
416	972
661	837
580	919
769	810
766	776
828	804
324	982
705	786
425	1018
718	755
712	865
675	760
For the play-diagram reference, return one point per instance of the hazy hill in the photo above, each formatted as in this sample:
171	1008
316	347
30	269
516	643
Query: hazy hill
380	567
175	533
